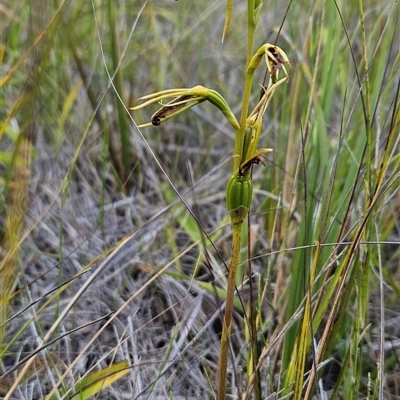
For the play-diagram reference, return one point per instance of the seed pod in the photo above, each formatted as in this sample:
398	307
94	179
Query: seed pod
239	193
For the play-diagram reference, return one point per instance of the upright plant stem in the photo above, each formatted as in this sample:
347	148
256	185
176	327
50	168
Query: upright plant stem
227	324
236	227
239	136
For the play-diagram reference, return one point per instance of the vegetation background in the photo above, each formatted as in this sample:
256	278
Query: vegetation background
101	264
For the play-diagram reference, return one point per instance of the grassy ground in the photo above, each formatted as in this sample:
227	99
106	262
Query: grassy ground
102	264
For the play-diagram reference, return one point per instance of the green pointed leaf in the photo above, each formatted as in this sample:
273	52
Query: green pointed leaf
97	381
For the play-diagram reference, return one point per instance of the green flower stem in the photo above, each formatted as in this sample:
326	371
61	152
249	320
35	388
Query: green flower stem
236	222
240	133
250	29
227	324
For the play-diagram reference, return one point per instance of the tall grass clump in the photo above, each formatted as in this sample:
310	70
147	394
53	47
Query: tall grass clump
233	236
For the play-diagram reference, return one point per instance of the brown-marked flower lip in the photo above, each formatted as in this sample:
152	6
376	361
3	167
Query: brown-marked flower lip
173	107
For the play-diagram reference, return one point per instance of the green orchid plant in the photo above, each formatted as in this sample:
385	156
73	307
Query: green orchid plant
184	99
239	190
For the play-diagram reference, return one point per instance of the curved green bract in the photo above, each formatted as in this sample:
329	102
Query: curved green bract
239	193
